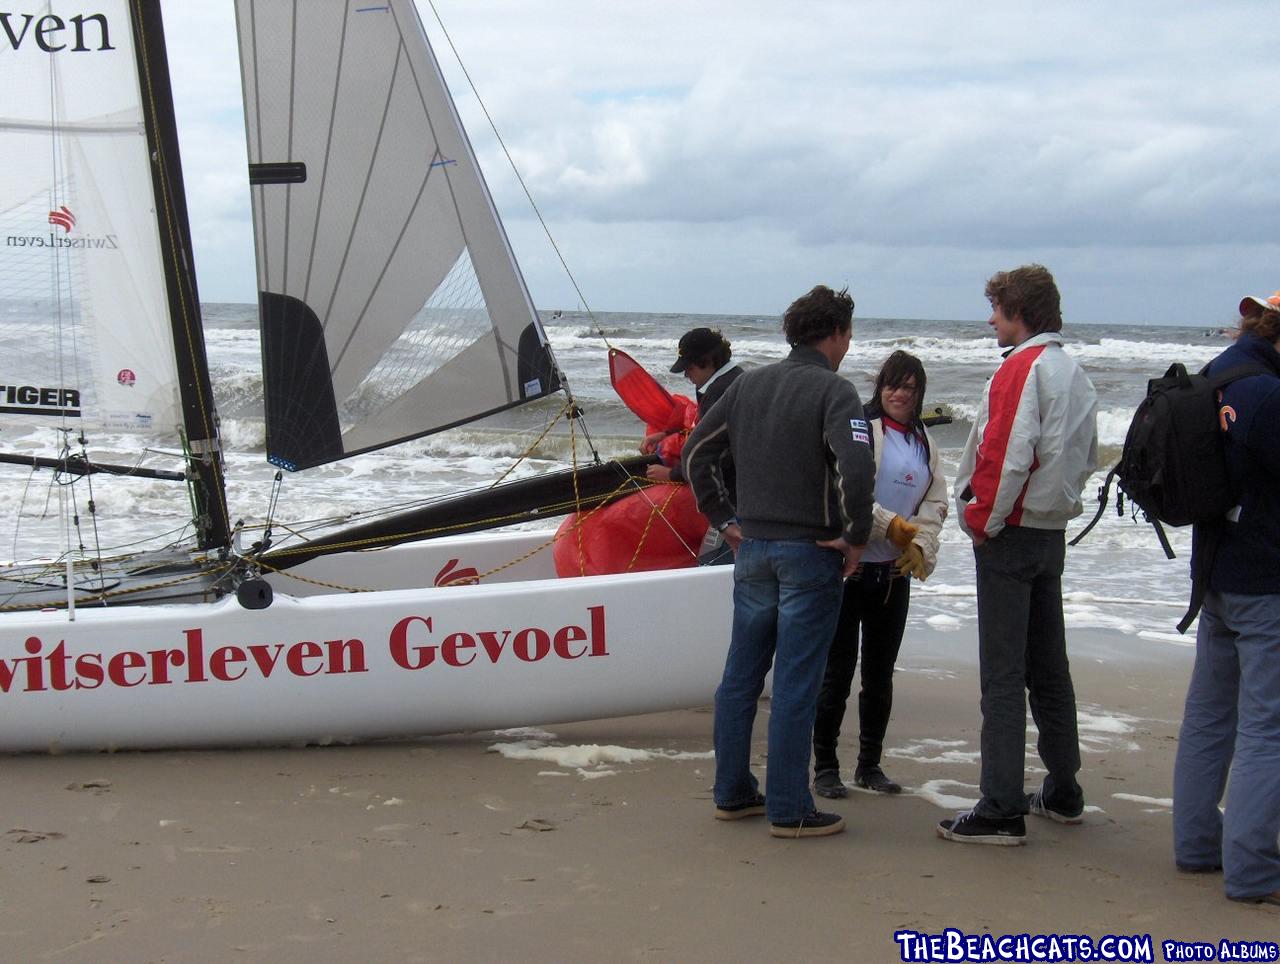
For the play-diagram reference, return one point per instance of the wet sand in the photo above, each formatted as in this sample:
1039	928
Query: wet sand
442	849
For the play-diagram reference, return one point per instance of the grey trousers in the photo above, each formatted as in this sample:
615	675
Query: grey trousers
1022	649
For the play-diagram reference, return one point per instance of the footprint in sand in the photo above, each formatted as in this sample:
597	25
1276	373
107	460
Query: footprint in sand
20	835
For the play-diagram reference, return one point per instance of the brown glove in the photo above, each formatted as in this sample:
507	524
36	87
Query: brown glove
911	562
901	532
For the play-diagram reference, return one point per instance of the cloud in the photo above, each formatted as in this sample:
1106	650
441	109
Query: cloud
1119	138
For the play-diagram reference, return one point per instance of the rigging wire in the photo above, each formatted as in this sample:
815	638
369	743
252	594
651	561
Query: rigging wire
575	412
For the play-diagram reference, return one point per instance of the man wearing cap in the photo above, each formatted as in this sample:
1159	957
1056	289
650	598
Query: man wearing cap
1231	723
704	360
800	444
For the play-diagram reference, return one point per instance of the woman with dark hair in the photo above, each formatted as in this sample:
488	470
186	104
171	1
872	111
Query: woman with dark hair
910	506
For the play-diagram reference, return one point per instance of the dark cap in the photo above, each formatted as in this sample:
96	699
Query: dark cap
695	344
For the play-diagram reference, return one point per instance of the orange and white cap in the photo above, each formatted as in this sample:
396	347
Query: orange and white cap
1252	303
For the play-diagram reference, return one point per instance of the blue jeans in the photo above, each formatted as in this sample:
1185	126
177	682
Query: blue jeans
786	599
1022	649
1231	724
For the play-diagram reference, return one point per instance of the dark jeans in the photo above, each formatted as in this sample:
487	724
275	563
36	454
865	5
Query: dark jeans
875	602
1022	647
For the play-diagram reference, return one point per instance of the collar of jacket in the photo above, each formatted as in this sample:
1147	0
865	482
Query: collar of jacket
1254	349
809	356
1044	338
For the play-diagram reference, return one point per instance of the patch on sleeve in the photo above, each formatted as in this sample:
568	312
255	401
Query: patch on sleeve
862	437
858	424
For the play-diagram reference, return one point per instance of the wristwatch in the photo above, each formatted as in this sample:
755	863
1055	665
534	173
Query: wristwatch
724	525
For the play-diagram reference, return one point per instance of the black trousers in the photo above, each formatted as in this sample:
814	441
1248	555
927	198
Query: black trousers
874	607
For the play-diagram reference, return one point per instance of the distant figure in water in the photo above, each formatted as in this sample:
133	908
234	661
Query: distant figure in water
1231	724
910	507
1033	446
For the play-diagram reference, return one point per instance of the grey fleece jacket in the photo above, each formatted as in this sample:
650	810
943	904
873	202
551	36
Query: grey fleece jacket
799	442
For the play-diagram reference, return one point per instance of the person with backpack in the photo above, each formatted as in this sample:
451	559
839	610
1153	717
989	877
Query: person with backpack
1231	722
1033	446
910	507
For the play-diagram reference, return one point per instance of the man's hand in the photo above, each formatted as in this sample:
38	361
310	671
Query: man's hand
658	473
852	554
651	442
732	536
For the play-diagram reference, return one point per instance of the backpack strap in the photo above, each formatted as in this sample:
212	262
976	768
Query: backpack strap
1223	379
1103	495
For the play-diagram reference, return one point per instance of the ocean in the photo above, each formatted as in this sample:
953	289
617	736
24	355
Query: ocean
1117	578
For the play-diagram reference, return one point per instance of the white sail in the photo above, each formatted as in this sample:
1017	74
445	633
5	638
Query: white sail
391	303
84	325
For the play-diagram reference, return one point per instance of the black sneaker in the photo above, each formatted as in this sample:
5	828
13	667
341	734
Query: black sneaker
1198	868
816	824
752	808
1036	805
873	778
970	828
828	784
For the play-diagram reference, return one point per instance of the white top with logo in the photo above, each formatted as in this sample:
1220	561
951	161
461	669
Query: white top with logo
902	479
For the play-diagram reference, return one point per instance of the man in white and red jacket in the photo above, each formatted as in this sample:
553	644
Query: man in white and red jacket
1033	446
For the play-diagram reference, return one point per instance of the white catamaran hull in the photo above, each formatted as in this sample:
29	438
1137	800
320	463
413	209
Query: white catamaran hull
336	668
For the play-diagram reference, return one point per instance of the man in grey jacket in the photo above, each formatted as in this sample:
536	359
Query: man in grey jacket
799	441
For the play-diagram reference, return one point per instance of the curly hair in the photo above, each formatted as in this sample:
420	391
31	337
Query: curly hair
899	368
1028	291
1264	324
817	314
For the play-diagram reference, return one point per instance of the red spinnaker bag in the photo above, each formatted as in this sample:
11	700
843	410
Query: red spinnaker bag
658	528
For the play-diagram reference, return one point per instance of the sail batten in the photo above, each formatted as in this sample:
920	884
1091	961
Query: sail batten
391	260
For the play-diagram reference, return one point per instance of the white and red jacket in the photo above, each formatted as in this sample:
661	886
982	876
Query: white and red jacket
1033	445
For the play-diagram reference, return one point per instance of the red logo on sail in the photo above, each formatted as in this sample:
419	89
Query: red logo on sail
127	378
63	218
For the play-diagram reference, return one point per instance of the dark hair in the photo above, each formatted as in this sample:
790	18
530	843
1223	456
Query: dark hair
899	368
1264	324
814	316
717	357
1028	291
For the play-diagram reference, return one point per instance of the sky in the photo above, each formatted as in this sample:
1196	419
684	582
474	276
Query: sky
723	157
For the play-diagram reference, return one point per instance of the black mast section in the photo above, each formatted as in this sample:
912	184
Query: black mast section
204	463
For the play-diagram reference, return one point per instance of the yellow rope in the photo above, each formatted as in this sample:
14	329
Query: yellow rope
551	423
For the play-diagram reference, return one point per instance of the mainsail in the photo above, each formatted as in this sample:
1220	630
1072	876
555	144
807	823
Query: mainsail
84	328
391	303
99	313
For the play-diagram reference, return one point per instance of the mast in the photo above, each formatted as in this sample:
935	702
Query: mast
200	422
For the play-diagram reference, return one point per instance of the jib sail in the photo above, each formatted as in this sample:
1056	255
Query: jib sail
391	304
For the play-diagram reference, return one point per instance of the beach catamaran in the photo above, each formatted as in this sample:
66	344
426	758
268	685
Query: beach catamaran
391	306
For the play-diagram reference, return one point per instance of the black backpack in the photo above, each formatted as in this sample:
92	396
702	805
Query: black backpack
1174	465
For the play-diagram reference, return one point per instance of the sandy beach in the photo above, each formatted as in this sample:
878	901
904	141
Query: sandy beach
447	849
